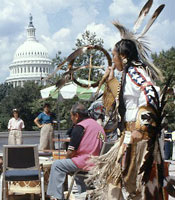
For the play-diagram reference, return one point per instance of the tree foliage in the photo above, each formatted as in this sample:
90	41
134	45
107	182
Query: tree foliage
20	98
98	58
165	60
57	61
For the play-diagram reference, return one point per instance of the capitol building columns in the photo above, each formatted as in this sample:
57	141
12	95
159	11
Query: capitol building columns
31	61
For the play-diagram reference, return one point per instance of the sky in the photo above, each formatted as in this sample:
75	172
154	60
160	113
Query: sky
59	23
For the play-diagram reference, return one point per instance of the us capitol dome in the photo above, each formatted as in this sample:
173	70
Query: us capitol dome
31	61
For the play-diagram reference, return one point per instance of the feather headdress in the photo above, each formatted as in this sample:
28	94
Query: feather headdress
139	39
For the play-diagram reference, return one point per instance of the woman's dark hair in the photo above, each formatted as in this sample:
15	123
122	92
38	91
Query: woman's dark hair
46	105
15	110
127	48
81	110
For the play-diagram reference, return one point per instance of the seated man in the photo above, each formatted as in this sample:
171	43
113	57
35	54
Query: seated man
86	140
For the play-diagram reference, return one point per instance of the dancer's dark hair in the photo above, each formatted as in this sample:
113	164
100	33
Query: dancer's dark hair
127	48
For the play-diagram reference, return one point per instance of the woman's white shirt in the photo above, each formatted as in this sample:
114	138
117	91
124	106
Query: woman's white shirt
134	97
15	124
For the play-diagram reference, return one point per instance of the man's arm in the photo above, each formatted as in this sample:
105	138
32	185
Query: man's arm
76	137
70	154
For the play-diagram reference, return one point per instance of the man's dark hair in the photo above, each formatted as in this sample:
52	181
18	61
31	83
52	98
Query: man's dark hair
127	48
46	105
81	110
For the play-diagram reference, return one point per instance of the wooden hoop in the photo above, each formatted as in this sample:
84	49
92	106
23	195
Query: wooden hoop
70	65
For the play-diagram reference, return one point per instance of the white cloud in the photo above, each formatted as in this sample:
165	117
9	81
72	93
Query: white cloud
64	38
109	36
124	11
61	40
4	57
162	35
53	6
64	32
76	17
82	16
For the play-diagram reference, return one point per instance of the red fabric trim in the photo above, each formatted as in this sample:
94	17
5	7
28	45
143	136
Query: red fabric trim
142	86
133	80
140	73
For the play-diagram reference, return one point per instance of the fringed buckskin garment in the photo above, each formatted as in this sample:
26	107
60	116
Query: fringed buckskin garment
130	169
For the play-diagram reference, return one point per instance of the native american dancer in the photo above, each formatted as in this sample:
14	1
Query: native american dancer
133	168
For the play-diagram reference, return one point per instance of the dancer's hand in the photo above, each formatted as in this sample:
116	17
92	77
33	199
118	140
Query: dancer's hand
110	72
41	125
136	136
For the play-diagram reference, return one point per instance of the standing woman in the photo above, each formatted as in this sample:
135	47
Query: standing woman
15	126
45	122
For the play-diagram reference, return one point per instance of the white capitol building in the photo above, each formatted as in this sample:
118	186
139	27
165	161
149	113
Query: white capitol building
31	61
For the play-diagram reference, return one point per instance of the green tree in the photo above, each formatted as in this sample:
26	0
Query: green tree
58	60
165	60
20	98
55	62
98	59
4	90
